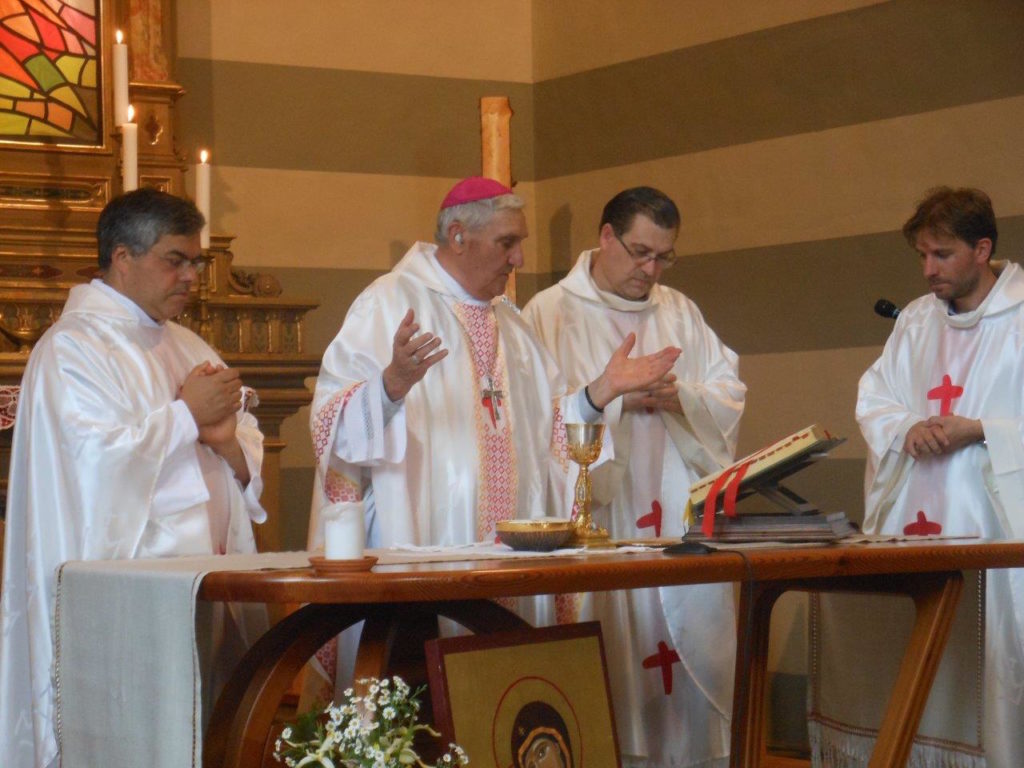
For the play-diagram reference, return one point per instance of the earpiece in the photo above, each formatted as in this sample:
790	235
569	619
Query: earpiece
458	238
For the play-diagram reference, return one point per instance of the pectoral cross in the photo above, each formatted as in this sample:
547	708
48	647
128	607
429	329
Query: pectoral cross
491	400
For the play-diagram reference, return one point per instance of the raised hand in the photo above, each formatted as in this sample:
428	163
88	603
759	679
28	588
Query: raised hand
211	393
412	354
625	374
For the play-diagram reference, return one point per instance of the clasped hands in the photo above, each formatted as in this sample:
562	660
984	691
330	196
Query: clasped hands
213	394
941	435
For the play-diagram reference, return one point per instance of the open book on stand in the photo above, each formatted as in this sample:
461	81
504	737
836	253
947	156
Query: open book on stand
713	498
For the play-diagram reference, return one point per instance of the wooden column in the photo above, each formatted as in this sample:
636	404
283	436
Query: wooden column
495	116
496	151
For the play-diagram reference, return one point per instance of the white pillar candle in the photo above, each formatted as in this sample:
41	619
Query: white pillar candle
129	154
344	531
119	55
203	195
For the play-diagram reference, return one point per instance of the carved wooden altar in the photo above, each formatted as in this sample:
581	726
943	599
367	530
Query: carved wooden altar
51	193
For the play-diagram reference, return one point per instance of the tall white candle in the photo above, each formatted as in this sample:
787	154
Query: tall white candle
203	195
344	531
129	153
120	64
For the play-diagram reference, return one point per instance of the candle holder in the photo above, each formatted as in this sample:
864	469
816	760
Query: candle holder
584	441
323	566
205	319
22	333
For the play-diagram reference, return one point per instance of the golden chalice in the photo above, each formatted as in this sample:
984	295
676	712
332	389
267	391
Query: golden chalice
584	442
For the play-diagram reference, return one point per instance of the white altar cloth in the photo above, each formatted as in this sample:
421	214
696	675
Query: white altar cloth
129	671
132	657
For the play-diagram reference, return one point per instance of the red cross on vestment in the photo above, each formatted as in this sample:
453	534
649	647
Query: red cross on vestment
922	526
664	658
652	518
946	393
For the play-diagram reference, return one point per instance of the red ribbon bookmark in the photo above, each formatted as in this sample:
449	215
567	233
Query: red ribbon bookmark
733	476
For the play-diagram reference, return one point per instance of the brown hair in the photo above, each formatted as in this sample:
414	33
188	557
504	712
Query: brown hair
646	201
964	213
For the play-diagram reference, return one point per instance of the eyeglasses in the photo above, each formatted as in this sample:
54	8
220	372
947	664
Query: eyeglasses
663	260
181	264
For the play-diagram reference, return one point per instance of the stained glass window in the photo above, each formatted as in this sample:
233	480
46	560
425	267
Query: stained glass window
49	71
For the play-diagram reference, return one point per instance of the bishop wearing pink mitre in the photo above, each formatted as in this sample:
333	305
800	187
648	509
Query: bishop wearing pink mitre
437	407
435	404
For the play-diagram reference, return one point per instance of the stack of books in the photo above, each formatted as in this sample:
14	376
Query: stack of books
800	520
816	526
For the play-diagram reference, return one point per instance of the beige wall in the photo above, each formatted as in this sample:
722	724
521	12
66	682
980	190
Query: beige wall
572	36
335	129
795	138
472	39
795	135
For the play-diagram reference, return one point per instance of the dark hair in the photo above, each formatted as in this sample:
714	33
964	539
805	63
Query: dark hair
537	719
652	203
138	219
964	213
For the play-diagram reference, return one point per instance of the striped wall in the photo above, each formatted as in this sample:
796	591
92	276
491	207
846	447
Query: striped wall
795	135
336	128
796	145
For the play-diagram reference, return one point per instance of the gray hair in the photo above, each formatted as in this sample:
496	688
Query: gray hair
138	219
474	215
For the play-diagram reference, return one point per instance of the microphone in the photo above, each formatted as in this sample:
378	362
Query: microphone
886	308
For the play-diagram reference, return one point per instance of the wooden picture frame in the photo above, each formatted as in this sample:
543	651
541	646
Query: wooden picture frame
506	696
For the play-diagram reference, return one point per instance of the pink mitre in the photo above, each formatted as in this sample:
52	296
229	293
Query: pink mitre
472	189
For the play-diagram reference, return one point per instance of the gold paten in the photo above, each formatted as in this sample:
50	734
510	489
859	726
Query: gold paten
540	534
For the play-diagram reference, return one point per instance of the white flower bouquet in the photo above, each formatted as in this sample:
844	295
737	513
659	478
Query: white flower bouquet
375	730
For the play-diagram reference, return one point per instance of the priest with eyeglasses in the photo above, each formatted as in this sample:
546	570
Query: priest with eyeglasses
673	647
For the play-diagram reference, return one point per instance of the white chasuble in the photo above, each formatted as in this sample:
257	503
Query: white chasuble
670	650
426	472
971	365
105	465
479	439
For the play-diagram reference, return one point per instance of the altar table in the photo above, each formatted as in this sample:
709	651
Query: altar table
930	572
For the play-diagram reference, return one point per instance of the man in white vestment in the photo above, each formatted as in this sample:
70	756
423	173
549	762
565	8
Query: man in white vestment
670	650
942	411
442	442
129	443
